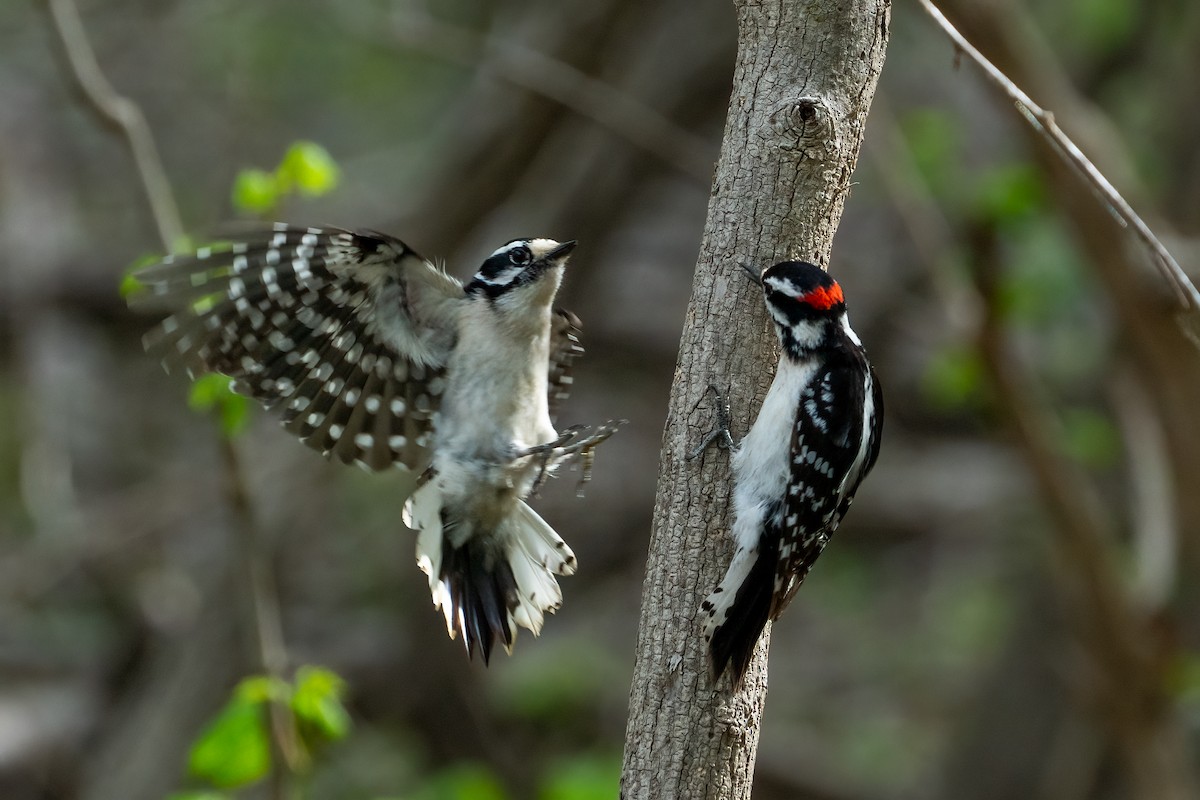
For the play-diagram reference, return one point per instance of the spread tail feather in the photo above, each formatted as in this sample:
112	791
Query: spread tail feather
738	610
487	586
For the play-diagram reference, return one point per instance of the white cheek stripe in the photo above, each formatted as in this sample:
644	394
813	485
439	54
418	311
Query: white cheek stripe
504	278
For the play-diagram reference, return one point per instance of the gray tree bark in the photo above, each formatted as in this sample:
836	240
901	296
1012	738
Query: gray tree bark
806	72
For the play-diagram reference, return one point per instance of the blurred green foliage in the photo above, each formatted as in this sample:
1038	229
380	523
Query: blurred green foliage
234	750
954	378
1009	194
1044	292
559	685
934	138
586	777
1184	678
1090	437
461	782
255	191
317	702
306	169
213	393
965	621
1091	28
309	169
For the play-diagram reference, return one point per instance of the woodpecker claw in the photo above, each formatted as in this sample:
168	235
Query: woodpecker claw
719	434
572	443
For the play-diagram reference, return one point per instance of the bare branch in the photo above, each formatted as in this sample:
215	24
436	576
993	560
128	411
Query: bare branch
1043	122
1129	685
267	626
1155	527
601	102
122	113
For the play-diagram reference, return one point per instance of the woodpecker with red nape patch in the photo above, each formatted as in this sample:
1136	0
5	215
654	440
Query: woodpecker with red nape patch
796	471
373	355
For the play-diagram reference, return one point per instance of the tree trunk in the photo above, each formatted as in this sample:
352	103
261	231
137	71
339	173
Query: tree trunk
806	72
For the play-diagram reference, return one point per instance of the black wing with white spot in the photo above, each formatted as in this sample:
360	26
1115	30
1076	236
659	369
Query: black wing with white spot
831	453
345	333
564	349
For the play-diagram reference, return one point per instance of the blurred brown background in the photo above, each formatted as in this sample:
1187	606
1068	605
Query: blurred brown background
938	651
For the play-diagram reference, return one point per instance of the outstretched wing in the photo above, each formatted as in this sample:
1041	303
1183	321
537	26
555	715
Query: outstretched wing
346	334
564	349
831	452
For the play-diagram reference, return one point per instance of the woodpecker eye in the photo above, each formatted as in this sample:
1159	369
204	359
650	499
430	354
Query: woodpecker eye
520	256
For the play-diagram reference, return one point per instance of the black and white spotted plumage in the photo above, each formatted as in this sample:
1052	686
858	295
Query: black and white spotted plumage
797	470
371	354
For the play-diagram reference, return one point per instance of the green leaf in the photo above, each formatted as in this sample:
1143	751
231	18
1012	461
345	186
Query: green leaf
309	168
256	191
263	689
213	393
1090	438
954	378
235	749
317	703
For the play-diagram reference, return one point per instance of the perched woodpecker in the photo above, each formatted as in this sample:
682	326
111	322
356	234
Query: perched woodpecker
373	355
796	471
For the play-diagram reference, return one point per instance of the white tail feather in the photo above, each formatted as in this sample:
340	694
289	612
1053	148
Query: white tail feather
535	554
720	602
423	513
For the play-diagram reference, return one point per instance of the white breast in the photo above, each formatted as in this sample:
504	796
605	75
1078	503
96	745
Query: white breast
496	394
761	465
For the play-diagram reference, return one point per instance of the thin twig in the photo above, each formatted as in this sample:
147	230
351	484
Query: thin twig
601	102
129	120
122	113
1155	532
1043	122
268	626
925	221
1131	687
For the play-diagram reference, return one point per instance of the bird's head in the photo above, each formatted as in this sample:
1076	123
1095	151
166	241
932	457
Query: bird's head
804	301
523	274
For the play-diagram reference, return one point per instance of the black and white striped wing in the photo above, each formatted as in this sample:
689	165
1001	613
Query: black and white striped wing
345	334
832	450
564	349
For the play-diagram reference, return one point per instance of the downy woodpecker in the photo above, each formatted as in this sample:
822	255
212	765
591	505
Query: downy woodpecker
796	471
373	355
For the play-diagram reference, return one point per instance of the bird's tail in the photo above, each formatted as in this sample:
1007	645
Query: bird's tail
487	586
738	609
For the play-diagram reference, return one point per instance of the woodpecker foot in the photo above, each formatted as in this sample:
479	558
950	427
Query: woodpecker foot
585	449
577	441
719	434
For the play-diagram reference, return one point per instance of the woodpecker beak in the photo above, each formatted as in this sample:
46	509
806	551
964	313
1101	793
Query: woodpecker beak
562	251
754	274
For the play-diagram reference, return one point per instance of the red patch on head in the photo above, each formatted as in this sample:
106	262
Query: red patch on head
823	298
